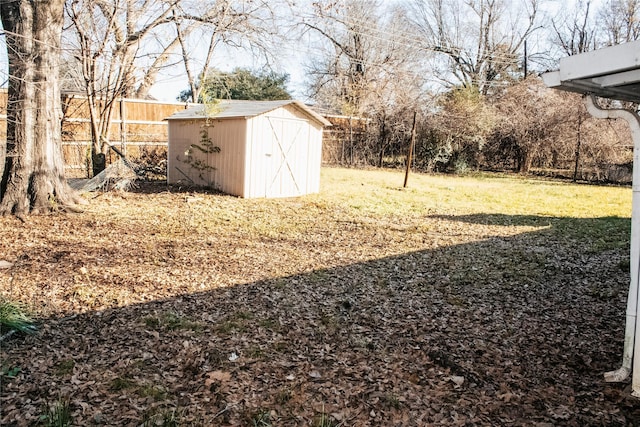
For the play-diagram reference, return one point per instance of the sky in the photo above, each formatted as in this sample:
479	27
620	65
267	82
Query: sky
289	60
174	80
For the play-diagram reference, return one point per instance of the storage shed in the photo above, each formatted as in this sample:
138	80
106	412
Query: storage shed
247	148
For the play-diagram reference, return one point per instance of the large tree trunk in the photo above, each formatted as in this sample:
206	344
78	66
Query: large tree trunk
33	168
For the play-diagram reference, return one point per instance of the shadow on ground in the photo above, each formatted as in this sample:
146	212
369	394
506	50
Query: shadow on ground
505	331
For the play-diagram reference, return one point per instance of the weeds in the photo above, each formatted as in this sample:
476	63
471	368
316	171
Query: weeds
119	384
269	324
172	322
10	372
393	401
13	316
165	418
236	322
154	392
261	419
64	367
58	415
230	326
284	395
323	420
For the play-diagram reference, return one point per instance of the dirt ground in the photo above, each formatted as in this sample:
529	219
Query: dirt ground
164	307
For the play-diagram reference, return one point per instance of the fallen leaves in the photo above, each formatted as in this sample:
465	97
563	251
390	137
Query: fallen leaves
221	310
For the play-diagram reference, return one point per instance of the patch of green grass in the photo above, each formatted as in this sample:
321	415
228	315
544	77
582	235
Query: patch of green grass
10	372
64	367
57	415
152	322
393	401
236	322
280	284
243	315
162	417
597	234
13	316
230	326
171	321
323	420
155	392
119	384
375	192
318	276
269	324
255	352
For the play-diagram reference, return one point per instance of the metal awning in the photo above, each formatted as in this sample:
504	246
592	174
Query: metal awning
614	72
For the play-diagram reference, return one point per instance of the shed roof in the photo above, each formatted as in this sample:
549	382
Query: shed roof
245	109
611	72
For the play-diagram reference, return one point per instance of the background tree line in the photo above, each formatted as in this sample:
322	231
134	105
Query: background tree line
464	67
460	64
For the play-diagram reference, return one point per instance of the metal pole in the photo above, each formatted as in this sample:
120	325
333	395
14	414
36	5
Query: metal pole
525	59
630	365
410	153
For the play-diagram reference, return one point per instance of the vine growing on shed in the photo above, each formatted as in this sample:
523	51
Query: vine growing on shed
206	145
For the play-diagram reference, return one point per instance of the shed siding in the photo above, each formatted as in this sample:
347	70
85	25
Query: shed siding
315	157
255	160
229	135
283	154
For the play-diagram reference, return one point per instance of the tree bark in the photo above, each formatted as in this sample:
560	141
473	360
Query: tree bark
33	168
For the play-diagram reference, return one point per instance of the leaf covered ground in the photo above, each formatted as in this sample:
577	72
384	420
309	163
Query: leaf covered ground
458	301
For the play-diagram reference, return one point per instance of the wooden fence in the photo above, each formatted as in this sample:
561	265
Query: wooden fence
138	129
342	138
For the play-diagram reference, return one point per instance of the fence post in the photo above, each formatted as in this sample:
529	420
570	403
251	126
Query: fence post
123	126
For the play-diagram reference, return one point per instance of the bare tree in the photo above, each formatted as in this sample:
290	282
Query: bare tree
620	21
480	41
574	30
118	43
247	25
341	77
31	164
365	66
123	45
525	139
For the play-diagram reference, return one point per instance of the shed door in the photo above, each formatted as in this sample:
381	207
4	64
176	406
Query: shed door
287	159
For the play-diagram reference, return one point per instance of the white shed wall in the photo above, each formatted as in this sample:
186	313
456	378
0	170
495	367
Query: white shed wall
229	135
284	154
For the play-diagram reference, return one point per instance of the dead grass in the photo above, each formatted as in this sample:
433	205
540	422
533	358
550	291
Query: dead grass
365	304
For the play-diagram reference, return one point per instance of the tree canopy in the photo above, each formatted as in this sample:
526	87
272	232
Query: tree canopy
241	83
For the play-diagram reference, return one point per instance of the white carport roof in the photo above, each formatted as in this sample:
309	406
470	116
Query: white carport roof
614	72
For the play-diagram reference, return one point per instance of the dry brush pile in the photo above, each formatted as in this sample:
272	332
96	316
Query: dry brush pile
339	309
